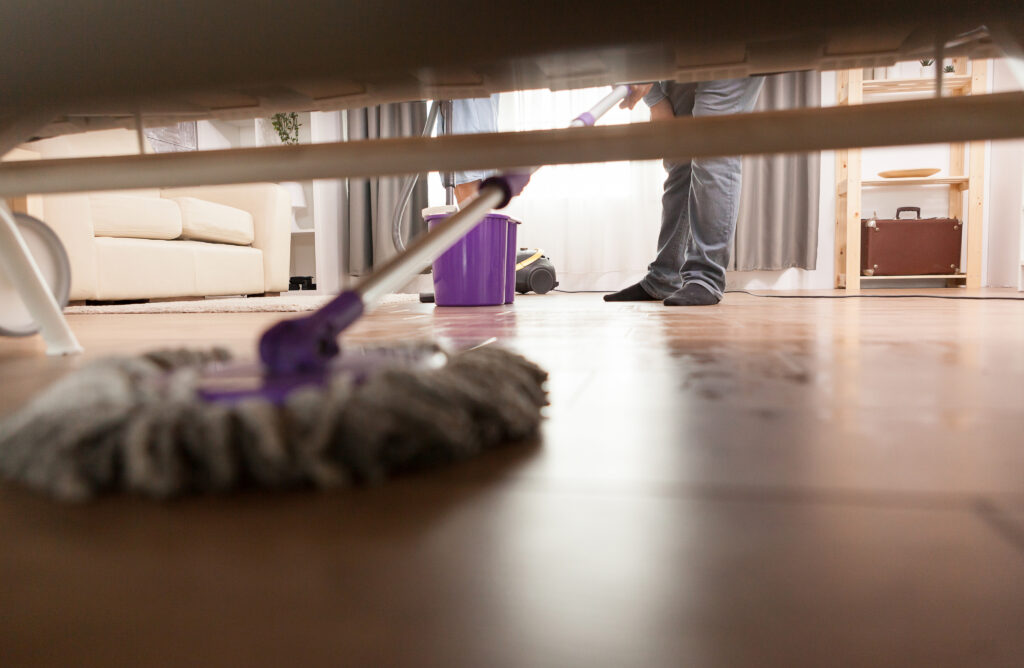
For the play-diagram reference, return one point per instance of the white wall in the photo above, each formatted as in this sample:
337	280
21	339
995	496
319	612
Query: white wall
1006	175
214	135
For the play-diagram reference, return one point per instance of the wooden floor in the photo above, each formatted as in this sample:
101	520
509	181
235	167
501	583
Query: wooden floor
764	483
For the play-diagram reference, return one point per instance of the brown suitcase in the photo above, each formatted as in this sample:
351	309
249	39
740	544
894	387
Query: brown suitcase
910	246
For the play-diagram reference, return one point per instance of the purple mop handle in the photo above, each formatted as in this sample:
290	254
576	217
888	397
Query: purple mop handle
512	182
305	345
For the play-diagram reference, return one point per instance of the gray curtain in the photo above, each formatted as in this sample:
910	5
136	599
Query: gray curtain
368	205
778	220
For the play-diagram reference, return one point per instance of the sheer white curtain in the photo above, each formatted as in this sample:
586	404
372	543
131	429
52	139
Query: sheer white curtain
598	223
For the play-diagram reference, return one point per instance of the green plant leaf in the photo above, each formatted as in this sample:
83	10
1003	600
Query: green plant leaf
287	127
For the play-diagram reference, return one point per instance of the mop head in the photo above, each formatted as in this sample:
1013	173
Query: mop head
136	424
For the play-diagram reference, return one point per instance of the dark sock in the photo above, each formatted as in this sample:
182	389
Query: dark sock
692	294
634	293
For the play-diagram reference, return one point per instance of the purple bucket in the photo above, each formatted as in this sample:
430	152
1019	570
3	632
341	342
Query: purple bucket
474	271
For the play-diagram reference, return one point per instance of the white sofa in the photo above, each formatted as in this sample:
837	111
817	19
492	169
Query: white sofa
164	243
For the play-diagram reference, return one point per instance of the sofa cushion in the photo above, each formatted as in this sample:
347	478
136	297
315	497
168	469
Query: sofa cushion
207	221
144	268
134	216
147	268
223	269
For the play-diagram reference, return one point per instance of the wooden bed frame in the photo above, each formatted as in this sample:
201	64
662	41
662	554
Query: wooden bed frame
93	65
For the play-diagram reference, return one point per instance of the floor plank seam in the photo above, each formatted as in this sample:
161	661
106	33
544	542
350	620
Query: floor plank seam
968	502
998	521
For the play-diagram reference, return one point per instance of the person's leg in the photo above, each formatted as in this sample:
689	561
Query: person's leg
473	116
667	100
662	277
714	197
464	191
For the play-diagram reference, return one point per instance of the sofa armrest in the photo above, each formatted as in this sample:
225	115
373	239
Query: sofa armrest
70	216
271	211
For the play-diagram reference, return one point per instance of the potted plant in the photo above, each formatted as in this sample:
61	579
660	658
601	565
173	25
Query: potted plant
927	68
283	128
280	128
287	127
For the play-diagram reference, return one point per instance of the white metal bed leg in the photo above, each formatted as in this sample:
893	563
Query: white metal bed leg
17	263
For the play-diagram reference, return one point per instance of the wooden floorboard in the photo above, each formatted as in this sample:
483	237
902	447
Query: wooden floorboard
763	483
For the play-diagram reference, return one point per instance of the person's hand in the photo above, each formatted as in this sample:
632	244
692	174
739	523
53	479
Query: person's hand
636	93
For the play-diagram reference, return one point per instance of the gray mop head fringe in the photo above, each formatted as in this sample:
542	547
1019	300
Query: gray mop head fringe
135	424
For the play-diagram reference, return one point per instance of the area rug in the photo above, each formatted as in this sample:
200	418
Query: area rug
288	303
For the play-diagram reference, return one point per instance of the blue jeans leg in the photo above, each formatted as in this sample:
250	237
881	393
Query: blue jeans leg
662	277
701	197
715	186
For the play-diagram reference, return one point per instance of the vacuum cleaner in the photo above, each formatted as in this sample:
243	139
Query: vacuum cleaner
534	272
180	421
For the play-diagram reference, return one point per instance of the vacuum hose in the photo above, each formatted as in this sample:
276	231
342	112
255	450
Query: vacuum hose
409	184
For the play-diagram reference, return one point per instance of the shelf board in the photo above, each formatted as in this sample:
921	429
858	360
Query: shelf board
300	230
950	83
908	277
959	182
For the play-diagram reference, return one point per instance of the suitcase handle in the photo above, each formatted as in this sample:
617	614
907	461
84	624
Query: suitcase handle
915	209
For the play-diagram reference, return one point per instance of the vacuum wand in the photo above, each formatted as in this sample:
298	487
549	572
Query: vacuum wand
587	118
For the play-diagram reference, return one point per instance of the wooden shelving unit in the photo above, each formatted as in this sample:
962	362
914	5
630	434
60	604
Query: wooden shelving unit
966	169
955	84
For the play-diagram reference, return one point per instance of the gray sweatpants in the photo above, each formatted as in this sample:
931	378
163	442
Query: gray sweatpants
701	197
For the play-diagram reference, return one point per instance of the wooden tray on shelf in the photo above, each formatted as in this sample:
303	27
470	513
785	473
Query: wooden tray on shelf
909	173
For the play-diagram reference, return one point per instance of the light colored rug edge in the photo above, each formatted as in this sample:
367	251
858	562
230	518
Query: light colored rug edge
283	304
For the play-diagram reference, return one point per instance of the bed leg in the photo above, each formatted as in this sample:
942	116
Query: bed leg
17	263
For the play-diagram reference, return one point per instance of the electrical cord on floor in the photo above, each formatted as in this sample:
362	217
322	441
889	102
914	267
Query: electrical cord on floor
857	296
862	296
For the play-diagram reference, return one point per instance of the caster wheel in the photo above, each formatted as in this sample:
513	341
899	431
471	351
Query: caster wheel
52	259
